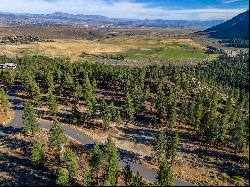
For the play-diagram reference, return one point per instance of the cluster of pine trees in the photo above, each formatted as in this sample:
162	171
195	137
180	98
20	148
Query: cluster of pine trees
102	167
235	42
212	98
4	101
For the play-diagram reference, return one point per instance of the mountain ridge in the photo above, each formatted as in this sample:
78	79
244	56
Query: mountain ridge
81	19
237	27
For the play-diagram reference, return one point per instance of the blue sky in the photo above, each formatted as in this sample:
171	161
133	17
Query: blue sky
138	9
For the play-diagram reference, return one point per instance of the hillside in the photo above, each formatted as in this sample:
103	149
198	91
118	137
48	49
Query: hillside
80	20
237	27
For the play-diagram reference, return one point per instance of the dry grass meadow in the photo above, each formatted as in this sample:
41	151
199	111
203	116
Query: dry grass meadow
139	48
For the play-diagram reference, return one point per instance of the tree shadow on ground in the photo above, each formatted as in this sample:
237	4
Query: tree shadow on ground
13	143
19	168
10	129
224	162
23	173
61	117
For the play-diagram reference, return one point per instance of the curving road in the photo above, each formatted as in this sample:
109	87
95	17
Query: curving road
17	123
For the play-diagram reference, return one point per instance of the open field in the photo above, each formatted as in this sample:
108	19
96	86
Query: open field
157	48
132	48
71	49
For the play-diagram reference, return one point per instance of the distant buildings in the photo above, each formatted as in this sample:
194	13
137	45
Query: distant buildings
8	66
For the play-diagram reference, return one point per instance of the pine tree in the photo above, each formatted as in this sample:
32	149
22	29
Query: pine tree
68	84
87	179
128	82
239	135
62	177
159	146
138	99
4	101
112	110
137	180
90	108
238	138
209	127
89	96
164	175
9	77
247	132
184	112
56	136
52	104
37	101
88	91
222	128
78	92
198	112
95	160
70	161
75	114
186	86
165	147
127	174
37	153
94	85
32	86
129	107
33	89
117	118
191	114
142	79
106	119
160	104
172	148
159	86
112	162
214	100
114	113
233	118
172	114
49	82
30	119
229	107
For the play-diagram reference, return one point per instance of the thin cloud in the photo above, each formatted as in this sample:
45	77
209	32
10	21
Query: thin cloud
230	1
116	9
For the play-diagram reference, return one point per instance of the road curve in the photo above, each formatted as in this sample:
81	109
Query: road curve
17	123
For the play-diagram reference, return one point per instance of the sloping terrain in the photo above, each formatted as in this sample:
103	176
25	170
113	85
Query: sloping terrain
237	27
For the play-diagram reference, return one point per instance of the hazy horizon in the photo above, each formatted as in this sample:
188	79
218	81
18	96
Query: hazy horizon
133	9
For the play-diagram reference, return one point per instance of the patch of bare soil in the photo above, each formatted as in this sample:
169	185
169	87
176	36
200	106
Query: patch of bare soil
6	116
16	168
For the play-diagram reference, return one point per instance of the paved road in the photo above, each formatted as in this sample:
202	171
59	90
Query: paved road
17	123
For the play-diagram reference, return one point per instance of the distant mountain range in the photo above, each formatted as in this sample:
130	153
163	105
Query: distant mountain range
64	19
237	27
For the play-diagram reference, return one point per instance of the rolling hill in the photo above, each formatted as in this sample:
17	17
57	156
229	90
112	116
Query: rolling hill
237	27
79	20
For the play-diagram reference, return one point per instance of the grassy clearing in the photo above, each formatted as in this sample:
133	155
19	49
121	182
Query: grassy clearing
133	48
165	53
145	48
